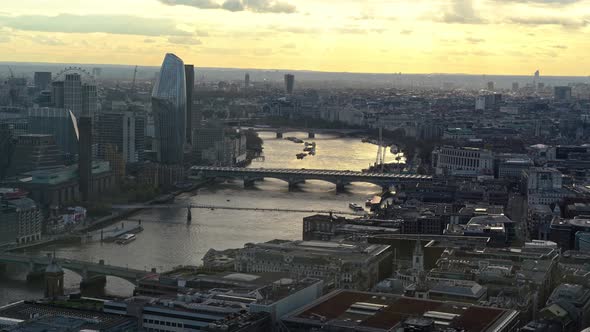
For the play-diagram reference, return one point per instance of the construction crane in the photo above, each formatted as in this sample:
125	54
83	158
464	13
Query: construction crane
11	72
380	160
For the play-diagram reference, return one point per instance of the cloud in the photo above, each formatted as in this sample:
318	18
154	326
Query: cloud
184	40
258	6
4	39
546	20
563	47
543	2
149	40
114	24
406	32
289	46
461	11
473	40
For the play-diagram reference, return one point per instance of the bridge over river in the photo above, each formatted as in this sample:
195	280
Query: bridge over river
89	271
296	176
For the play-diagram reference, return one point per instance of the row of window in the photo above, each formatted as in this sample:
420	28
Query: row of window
169	324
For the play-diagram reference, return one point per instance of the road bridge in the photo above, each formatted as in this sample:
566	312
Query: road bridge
296	176
311	132
87	270
239	208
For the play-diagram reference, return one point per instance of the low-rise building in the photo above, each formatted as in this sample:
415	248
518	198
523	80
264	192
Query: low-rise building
341	265
20	221
345	310
462	161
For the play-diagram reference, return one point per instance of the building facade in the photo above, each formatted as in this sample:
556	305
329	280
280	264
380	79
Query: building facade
169	109
462	160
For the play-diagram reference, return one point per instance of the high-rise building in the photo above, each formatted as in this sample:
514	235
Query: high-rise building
20	221
247	80
42	80
491	86
85	157
536	79
73	93
189	73
562	93
96	72
289	83
169	110
515	86
123	130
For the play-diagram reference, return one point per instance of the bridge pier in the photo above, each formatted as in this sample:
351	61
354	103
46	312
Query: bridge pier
311	134
279	134
340	186
97	281
249	182
294	182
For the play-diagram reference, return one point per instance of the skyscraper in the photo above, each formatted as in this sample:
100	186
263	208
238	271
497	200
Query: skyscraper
189	72
289	83
85	157
247	80
169	110
562	93
491	86
123	130
42	80
73	93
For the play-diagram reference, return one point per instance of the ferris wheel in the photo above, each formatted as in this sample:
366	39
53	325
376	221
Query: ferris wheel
84	74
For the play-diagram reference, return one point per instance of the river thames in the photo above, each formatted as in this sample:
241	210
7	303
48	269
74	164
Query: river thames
168	241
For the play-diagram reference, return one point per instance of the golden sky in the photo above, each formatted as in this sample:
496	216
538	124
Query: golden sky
418	36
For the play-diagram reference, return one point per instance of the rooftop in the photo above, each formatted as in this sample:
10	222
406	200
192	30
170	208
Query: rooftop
384	312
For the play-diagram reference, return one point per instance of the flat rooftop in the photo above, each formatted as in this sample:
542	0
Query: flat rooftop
384	312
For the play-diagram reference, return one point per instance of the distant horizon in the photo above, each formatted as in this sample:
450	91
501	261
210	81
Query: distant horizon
286	70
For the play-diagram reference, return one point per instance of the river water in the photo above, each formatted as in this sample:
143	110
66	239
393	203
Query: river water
168	241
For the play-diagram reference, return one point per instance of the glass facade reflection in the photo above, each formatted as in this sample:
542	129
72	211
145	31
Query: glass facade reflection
169	109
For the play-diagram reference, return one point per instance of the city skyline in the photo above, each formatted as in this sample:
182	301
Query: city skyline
457	36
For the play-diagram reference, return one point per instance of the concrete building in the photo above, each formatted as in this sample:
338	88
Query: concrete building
345	310
289	83
35	152
563	231
341	265
85	158
511	167
543	185
60	123
42	80
189	74
20	221
462	161
562	93
123	130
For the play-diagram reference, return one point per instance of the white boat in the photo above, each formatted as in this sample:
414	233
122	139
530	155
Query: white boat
355	207
126	238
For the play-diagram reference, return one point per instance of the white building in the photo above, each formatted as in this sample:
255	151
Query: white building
543	185
462	161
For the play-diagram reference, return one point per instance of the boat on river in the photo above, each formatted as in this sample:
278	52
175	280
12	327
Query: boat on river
126	238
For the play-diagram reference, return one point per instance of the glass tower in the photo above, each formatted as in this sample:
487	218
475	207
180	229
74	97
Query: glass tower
169	109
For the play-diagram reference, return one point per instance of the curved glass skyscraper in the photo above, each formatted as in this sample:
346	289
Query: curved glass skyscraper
169	109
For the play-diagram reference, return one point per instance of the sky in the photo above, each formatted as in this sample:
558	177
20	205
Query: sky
372	36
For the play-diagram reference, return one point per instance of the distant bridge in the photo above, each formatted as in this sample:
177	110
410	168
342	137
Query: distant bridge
311	132
296	176
239	208
87	270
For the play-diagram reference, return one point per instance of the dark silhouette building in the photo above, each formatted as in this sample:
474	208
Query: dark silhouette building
42	80
562	93
35	152
54	280
189	73
85	157
289	83
247	80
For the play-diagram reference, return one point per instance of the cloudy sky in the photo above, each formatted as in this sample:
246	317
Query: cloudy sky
409	36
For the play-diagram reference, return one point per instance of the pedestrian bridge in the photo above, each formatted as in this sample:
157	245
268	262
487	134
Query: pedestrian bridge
87	270
296	176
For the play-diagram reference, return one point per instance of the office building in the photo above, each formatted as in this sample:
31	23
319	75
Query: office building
60	123
189	73
42	80
289	83
74	94
346	310
564	231
543	185
464	161
488	102
85	158
510	167
20	221
125	131
169	109
562	93
247	80
35	152
491	86
342	265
